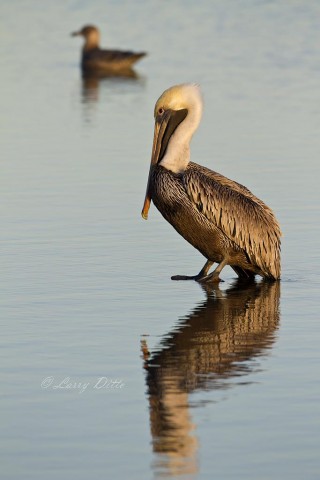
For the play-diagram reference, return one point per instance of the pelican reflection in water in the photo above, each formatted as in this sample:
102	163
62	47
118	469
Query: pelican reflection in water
219	217
209	349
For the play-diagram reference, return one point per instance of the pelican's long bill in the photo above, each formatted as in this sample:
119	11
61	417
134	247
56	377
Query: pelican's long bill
166	122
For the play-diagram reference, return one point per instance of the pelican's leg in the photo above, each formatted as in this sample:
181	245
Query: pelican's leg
214	276
202	274
244	274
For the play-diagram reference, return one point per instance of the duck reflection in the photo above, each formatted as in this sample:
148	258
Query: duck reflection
91	82
209	349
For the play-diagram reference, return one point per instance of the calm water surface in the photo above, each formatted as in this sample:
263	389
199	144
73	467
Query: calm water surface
108	368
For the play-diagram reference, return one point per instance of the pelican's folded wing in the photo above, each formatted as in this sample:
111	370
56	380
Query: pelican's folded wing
242	217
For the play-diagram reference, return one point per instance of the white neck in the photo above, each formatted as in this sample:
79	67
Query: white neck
177	155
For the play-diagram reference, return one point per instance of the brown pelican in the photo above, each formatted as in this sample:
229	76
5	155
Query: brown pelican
94	59
219	217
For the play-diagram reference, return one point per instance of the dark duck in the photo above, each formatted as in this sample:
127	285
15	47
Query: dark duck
97	60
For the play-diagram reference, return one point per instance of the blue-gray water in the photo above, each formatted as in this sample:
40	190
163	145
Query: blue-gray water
219	385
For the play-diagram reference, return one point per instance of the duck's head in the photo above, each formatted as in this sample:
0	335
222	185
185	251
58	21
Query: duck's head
91	35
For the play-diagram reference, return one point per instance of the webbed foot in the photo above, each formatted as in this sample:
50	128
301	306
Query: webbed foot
212	278
186	277
202	274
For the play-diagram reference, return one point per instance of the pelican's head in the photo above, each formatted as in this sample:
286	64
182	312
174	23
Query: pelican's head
185	95
91	35
177	115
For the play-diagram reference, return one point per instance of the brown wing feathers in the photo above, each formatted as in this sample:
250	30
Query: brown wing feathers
244	218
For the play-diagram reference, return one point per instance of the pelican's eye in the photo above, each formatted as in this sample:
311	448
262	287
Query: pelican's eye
161	111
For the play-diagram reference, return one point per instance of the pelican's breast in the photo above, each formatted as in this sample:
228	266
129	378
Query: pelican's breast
172	201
